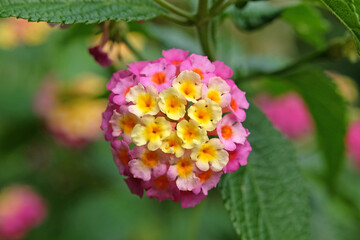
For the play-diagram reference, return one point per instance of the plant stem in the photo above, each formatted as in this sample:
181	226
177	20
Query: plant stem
220	6
137	54
174	9
178	21
203	29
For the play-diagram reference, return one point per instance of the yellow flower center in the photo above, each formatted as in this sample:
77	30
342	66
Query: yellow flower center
172	104
153	131
188	89
202	115
184	167
150	158
207	153
190	133
214	95
127	123
146	102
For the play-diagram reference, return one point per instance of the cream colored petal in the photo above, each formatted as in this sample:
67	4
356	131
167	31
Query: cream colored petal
137	135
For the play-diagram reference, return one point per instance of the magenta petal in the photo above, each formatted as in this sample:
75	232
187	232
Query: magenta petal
190	199
100	56
222	70
135	186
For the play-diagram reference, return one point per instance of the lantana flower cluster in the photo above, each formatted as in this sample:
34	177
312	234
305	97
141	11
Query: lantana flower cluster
182	117
21	209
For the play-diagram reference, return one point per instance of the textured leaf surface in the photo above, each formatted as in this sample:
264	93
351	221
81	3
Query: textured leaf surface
79	11
267	199
307	23
328	110
348	12
255	15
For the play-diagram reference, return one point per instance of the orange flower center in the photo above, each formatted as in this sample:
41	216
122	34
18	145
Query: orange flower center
127	124
161	182
176	62
226	131
150	158
184	167
124	157
127	90
233	104
159	78
204	176
198	71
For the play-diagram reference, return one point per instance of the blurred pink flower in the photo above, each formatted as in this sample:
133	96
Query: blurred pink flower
353	141
288	113
21	209
72	112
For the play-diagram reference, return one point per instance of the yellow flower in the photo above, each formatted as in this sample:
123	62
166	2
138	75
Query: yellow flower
123	123
152	131
207	113
172	103
77	119
145	102
210	152
189	84
172	144
218	91
191	133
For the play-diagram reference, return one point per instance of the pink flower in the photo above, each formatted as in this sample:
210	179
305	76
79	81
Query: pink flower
144	163
137	67
120	150
46	97
135	186
353	141
287	112
175	56
21	209
238	157
106	116
158	74
120	84
162	188
238	103
190	199
230	132
222	70
208	180
200	65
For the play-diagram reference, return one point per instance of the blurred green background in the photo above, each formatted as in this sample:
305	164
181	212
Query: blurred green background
85	195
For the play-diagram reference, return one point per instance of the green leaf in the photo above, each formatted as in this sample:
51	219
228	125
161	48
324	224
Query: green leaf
79	11
348	12
267	199
307	23
328	109
255	15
